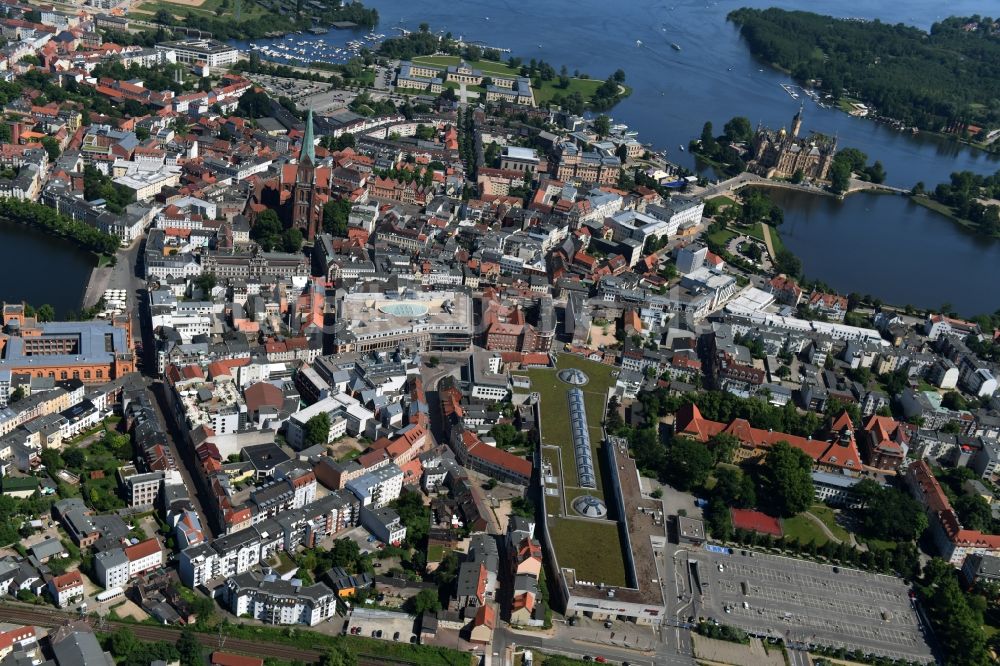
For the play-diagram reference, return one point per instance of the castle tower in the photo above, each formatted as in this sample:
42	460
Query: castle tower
797	123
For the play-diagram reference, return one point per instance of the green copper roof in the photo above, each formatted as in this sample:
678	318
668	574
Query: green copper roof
308	142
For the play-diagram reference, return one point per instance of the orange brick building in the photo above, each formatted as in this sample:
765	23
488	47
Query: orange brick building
91	351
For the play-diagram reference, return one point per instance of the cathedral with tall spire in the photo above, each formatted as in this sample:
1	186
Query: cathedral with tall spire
302	187
307	211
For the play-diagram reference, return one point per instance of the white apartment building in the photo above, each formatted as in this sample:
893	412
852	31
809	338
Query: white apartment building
378	487
116	567
275	601
225	557
347	416
146	178
210	51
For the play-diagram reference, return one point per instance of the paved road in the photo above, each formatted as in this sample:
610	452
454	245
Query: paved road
767	240
173	437
450	365
126	275
798	658
120	276
746	179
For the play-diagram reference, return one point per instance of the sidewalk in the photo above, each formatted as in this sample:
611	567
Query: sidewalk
97	285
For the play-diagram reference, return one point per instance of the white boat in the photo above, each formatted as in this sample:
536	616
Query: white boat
682	148
638	42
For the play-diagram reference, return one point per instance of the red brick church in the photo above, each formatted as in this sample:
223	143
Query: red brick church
301	188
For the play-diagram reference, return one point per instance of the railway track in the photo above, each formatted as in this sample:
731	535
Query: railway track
53	618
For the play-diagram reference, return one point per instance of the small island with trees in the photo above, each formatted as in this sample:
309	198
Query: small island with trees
944	80
969	199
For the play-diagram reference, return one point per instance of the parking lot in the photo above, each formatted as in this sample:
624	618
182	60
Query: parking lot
293	89
810	603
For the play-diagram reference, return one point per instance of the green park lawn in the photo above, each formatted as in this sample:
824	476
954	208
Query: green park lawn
804	530
756	231
555	410
549	89
776	240
592	548
488	66
722	202
828	516
363	650
248	10
722	236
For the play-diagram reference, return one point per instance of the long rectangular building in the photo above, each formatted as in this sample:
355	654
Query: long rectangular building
210	51
91	351
437	320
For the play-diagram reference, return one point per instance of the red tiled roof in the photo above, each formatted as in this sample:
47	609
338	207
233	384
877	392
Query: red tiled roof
263	394
485	616
936	501
67	580
495	456
690	422
226	367
142	549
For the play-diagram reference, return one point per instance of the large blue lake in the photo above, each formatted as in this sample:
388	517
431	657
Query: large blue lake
880	245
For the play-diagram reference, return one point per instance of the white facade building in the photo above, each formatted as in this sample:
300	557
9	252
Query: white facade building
275	601
378	487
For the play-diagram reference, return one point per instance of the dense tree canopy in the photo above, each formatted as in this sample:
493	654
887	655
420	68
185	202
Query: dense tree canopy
413	514
946	77
888	513
688	464
787	479
96	185
317	429
967	194
957	618
424	601
47	219
335	216
254	104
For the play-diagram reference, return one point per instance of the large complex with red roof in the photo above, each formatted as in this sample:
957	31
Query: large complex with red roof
838	452
952	540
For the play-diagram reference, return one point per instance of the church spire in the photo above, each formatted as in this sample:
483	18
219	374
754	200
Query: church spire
308	142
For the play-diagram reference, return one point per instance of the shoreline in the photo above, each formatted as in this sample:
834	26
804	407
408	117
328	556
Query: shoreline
945	211
97	284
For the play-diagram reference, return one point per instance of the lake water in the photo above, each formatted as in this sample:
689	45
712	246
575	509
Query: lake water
890	247
38	268
713	76
885	246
